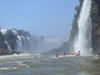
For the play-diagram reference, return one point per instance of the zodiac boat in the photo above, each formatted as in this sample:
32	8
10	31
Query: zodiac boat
69	54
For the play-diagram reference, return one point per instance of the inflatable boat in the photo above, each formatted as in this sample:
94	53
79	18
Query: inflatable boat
69	54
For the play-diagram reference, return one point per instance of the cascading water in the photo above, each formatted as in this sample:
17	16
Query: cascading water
9	48
31	43
22	40
19	44
25	44
83	41
4	31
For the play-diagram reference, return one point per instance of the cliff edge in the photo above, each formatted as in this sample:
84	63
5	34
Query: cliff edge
95	16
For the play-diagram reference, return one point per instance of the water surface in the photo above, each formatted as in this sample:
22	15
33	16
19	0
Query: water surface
32	64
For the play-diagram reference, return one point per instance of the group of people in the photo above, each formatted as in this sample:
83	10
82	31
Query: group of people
65	53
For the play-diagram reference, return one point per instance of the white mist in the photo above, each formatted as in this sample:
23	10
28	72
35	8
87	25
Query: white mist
83	41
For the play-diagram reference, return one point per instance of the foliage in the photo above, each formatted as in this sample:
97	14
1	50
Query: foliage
74	30
91	10
74	25
77	8
23	33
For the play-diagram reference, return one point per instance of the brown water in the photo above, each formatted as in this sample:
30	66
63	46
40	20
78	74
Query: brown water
28	64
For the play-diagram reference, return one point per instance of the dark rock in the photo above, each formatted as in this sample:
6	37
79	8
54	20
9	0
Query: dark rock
96	26
11	39
2	41
5	52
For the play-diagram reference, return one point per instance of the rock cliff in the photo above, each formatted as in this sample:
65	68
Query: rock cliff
19	40
2	42
95	16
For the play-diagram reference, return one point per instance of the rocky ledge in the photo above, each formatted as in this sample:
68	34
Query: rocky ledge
5	52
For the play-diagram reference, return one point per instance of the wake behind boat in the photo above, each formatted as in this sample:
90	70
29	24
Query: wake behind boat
65	54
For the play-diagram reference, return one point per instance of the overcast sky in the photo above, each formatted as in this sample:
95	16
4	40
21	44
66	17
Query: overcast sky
49	18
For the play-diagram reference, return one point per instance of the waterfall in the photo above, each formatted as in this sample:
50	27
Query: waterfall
25	44
15	32
22	40
9	48
83	41
19	43
31	43
4	31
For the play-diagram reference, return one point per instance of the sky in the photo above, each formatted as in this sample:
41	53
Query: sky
49	18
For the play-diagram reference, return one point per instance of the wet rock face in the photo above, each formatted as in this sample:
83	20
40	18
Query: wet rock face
96	1
97	6
95	16
2	41
96	44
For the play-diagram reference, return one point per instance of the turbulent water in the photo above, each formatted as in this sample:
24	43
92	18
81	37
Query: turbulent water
83	42
32	64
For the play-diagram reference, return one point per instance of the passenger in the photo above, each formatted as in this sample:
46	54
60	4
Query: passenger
65	53
56	55
79	53
74	53
62	53
59	54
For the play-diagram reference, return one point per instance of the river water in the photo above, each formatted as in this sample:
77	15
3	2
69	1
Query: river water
36	64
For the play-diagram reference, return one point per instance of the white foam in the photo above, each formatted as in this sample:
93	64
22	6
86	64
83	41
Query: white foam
83	42
15	32
15	55
4	31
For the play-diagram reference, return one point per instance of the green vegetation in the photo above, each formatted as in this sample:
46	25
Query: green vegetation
77	8
91	10
24	33
74	24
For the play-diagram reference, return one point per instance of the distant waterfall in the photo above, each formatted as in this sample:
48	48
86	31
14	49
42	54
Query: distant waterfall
22	41
83	41
19	44
26	44
9	48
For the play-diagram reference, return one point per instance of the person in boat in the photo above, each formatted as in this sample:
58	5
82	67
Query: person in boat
74	53
79	52
56	55
70	53
65	53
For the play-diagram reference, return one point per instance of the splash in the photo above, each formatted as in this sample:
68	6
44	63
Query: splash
83	41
